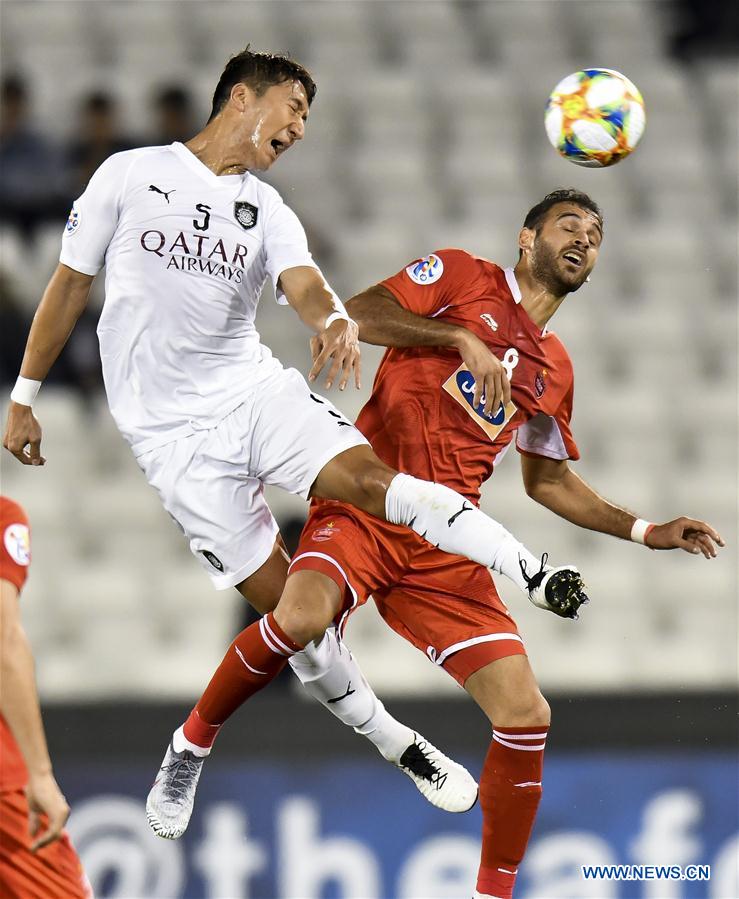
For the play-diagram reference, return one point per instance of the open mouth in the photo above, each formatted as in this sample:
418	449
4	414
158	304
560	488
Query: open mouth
575	257
278	147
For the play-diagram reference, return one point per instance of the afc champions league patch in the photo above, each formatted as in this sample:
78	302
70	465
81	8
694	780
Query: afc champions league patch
245	214
73	222
17	542
426	270
461	386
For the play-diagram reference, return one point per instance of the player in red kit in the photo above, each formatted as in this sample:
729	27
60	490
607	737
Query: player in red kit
426	416
37	859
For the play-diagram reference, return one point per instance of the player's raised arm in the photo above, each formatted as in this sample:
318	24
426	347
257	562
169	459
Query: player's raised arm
383	321
553	484
62	304
321	310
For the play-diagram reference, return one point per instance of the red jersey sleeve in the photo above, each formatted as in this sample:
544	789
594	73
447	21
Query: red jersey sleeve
435	282
550	435
15	552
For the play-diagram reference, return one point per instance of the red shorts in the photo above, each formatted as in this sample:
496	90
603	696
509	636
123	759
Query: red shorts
444	605
54	872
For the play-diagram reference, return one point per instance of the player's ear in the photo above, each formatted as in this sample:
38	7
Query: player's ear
242	96
526	238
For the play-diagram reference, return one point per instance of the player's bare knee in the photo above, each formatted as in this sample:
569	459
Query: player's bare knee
526	708
307	607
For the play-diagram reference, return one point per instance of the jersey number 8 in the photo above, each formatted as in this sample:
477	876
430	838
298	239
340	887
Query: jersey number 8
510	361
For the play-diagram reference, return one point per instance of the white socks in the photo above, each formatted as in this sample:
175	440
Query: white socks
445	518
180	743
329	673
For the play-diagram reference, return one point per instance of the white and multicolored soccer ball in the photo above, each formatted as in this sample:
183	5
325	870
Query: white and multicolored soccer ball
595	117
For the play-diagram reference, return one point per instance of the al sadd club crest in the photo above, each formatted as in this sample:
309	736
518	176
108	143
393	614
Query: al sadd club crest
245	214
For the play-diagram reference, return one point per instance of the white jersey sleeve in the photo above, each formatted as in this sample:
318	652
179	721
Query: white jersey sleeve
286	246
94	216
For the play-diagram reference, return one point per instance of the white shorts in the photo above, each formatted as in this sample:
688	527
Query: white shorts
211	482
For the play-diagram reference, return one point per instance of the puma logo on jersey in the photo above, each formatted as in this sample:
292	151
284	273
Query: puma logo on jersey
164	193
489	321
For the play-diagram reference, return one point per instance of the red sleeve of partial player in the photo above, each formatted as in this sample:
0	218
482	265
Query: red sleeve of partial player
15	551
435	282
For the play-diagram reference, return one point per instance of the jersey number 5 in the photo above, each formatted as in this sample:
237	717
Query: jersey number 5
202	226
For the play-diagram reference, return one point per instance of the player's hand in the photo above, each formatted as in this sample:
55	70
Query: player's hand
45	798
340	344
688	534
23	435
491	380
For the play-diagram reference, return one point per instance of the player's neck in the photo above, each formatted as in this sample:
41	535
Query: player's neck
216	151
537	301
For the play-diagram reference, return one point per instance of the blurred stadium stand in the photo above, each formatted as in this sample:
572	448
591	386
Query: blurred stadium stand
427	132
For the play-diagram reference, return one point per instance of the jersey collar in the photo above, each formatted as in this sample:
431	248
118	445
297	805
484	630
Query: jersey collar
192	162
515	290
510	277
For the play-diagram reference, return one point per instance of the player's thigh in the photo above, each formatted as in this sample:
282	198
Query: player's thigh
295	433
507	691
203	483
356	476
263	589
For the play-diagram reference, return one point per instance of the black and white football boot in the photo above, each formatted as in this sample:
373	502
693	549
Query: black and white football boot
446	784
560	590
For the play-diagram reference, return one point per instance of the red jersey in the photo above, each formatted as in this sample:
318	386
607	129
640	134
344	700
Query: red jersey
15	556
420	417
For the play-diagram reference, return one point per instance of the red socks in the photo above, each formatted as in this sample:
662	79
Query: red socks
510	790
254	658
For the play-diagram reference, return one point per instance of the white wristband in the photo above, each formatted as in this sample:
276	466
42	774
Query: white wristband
335	316
640	529
25	391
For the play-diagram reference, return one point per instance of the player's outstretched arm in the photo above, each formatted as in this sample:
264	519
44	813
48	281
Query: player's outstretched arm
553	484
337	337
20	707
61	306
384	322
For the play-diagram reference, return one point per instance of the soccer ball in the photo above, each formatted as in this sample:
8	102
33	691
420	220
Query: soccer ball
595	117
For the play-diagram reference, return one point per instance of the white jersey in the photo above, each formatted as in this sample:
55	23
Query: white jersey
187	253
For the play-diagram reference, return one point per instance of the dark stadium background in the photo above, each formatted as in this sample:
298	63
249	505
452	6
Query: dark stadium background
427	132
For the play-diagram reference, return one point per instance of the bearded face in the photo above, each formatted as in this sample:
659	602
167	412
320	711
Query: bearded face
565	248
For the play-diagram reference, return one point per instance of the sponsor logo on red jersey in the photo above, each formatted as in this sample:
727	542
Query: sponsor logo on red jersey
461	386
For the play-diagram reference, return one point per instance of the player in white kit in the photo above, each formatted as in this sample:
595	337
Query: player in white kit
188	236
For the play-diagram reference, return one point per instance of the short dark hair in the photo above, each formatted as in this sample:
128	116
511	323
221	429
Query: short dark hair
535	215
259	71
